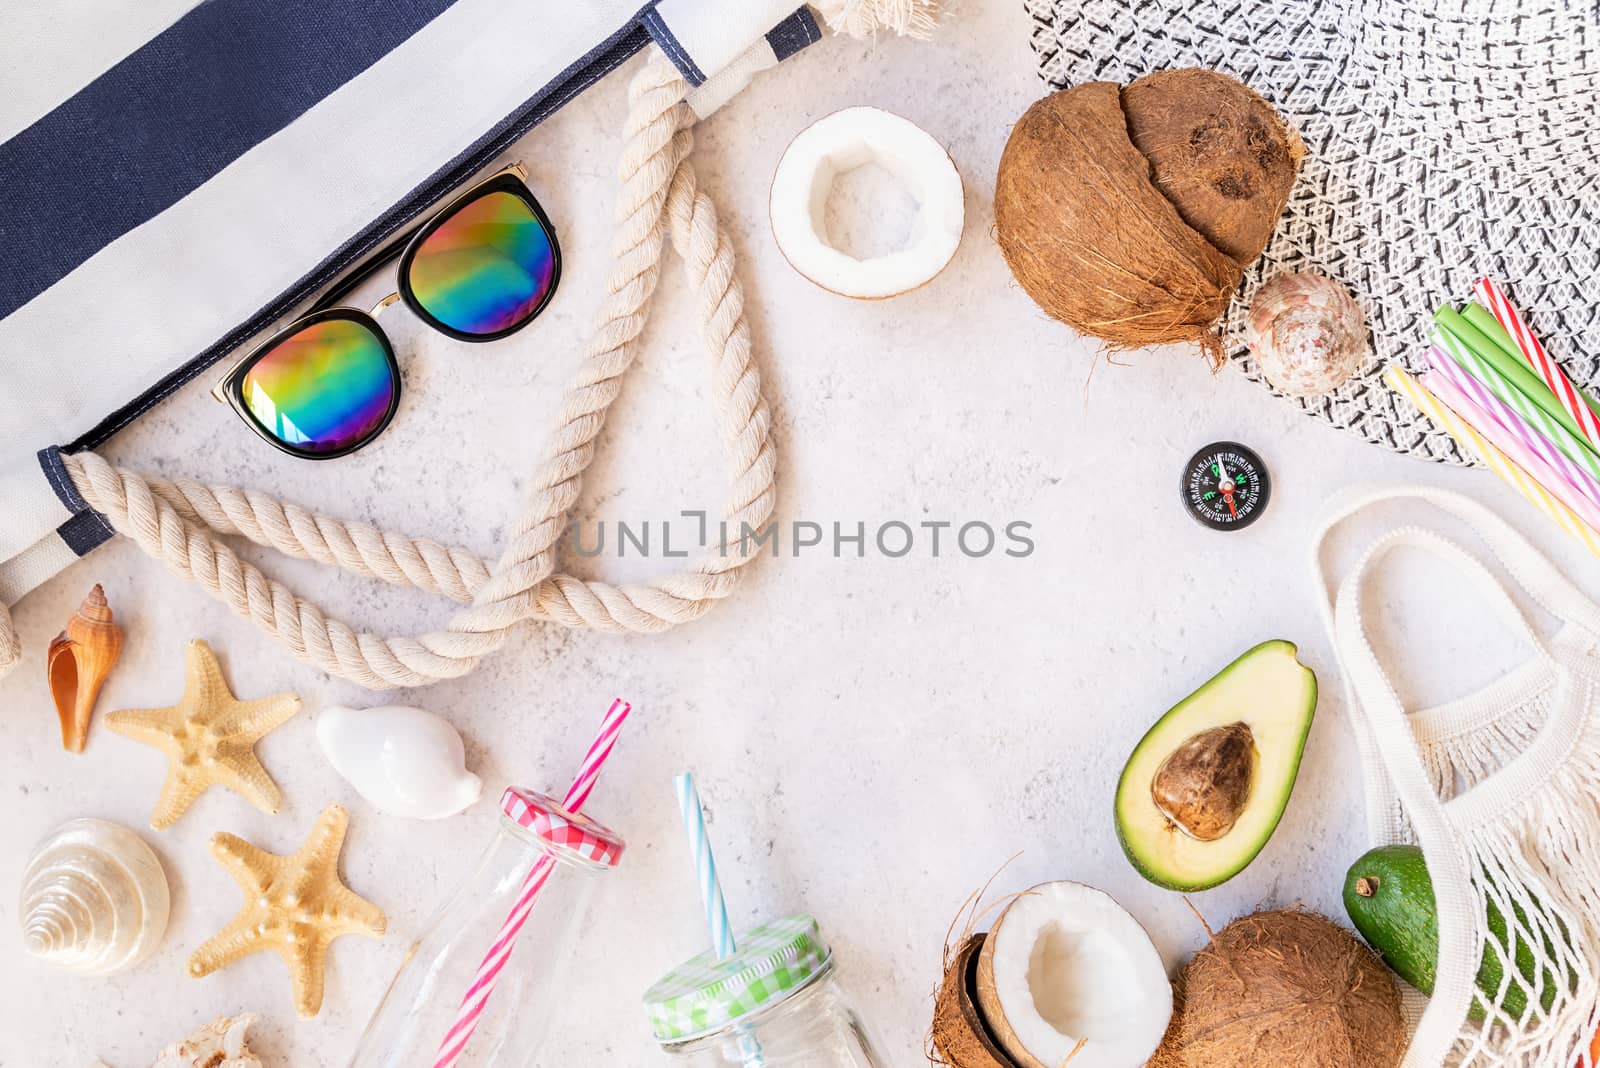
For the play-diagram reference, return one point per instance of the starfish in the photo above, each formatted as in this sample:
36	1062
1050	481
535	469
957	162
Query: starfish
293	905
209	737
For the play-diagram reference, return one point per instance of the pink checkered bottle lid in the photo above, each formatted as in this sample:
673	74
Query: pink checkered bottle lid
570	833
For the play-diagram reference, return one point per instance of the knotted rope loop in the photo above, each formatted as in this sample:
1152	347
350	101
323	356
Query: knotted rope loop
182	522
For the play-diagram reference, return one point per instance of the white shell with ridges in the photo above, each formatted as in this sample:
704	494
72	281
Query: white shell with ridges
1307	334
219	1044
94	898
405	761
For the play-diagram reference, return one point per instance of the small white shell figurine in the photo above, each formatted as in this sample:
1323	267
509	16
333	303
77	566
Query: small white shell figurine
1307	334
405	761
219	1044
94	898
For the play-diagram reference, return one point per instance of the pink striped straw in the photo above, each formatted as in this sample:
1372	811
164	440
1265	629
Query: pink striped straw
477	995
1451	395
1506	416
1565	392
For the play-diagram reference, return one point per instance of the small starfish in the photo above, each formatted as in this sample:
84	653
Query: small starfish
293	905
209	737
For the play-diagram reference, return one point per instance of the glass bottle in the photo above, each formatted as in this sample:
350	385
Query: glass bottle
536	840
776	1003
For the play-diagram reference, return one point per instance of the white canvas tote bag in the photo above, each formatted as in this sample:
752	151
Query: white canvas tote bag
184	175
1501	789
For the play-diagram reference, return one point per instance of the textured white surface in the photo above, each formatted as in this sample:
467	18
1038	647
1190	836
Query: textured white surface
873	737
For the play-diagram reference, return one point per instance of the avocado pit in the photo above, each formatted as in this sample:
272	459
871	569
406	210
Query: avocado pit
1204	785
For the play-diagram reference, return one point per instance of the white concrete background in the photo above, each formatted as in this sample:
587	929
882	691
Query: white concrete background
873	737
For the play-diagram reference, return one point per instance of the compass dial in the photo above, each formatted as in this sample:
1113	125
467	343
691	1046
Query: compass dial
1226	486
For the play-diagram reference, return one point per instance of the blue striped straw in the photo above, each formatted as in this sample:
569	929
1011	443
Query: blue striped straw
705	866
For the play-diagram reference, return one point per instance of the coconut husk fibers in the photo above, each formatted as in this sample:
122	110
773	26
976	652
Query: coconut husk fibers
1289	988
960	1032
1131	213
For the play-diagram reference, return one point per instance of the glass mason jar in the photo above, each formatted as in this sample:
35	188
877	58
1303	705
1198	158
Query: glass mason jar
775	1003
538	845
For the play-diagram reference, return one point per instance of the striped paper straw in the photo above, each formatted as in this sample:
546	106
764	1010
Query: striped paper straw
1585	482
1568	442
1575	403
477	995
1507	361
1496	460
705	866
1508	442
716	906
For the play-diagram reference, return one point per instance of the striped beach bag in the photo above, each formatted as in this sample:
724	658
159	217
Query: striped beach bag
144	145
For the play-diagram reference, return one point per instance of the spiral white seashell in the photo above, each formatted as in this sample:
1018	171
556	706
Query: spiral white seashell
404	761
94	898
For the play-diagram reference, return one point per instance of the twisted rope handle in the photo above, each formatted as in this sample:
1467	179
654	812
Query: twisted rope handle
180	522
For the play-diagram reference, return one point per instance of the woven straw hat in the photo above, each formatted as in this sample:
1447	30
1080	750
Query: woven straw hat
1448	141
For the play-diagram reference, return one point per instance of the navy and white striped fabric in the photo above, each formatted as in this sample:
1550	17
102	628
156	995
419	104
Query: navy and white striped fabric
153	155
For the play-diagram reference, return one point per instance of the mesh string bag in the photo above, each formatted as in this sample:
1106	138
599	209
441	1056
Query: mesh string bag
1448	141
1497	788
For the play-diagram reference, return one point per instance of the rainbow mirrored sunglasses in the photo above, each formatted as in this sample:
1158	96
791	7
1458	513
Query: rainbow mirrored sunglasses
480	268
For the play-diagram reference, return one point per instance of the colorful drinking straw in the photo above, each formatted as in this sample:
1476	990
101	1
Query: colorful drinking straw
1583	478
1535	414
477	995
1568	395
705	866
1517	450
1497	461
1456	335
1479	316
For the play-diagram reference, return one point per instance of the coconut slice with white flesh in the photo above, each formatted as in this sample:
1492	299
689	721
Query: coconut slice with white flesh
1067	973
837	144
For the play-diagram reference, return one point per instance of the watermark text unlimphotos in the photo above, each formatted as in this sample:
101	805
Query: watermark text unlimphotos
892	538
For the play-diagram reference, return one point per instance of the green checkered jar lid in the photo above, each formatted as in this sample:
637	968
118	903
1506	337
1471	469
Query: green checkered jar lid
704	994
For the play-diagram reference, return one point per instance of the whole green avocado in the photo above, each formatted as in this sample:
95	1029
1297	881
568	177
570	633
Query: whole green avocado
1388	894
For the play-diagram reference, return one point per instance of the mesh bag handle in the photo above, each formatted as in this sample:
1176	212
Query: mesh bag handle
1402	798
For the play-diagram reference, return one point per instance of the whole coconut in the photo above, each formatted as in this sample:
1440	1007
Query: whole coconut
1289	988
1131	213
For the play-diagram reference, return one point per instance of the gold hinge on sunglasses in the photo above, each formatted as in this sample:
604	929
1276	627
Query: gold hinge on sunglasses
382	304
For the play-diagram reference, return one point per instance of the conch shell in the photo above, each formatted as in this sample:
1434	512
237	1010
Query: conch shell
405	761
94	898
1307	334
80	658
219	1044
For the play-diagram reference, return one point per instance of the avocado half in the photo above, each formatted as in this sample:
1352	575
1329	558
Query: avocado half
1206	786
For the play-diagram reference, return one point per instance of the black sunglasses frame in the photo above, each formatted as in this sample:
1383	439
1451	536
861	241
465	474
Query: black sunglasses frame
504	182
406	246
233	385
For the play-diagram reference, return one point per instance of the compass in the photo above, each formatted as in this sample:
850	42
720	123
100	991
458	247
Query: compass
1226	486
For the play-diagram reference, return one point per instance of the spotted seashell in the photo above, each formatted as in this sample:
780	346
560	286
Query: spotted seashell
94	898
1307	334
